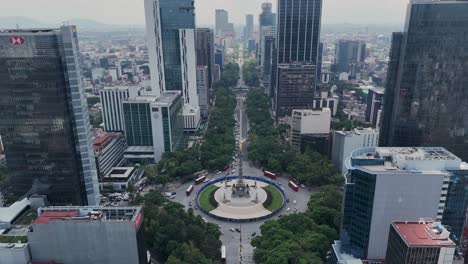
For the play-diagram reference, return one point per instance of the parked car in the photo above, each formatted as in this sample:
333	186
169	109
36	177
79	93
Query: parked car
238	230
232	229
254	233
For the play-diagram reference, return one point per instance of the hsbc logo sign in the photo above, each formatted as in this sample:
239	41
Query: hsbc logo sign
16	40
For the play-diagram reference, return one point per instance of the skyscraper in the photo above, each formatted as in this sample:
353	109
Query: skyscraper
267	17
155	46
175	20
222	21
248	27
298	36
348	53
205	51
426	99
44	118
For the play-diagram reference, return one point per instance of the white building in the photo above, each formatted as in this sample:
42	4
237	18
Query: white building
188	66
309	122
111	100
154	43
345	142
202	87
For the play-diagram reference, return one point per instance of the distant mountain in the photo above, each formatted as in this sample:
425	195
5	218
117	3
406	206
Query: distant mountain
82	24
21	22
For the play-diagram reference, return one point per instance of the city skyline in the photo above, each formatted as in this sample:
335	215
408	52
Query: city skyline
334	11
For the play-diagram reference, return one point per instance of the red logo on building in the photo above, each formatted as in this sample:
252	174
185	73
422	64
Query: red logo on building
16	40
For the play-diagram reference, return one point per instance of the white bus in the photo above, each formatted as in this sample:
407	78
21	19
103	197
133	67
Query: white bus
223	254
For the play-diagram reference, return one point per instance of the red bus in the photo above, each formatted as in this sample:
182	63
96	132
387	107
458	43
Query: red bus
189	190
293	186
200	179
269	174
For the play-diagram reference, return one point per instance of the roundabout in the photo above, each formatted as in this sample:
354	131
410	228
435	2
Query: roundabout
241	199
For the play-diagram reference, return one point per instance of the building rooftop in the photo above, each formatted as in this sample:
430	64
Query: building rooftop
87	213
409	159
165	99
8	214
357	131
423	234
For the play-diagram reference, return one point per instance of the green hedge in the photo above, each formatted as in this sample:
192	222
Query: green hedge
274	199
207	200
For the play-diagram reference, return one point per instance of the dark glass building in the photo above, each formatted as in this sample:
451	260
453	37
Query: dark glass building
175	15
426	98
298	40
205	51
348	54
44	118
267	17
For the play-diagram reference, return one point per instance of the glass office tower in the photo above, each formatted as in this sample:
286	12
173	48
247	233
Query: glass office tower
426	98
175	15
44	118
297	41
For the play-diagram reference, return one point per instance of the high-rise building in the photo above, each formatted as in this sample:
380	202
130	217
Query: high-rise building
295	88
205	51
400	184
155	46
374	106
111	100
44	117
419	242
349	53
345	142
267	58
249	25
203	90
312	126
298	39
425	99
153	125
109	150
79	235
222	21
267	17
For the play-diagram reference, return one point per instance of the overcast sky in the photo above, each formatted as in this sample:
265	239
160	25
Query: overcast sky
131	11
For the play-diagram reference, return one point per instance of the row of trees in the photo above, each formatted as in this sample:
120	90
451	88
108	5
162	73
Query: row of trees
250	73
175	236
303	237
216	151
266	148
219	145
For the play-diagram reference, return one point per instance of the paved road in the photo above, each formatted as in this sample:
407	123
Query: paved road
238	248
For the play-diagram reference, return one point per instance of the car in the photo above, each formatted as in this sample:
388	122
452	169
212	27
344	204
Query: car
303	186
289	209
279	183
254	233
173	197
295	209
204	220
238	230
234	170
287	200
218	172
232	229
295	202
196	207
189	203
279	216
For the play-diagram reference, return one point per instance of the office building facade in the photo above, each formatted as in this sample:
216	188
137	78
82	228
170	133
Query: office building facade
109	150
425	99
420	242
399	184
374	106
205	51
203	90
310	126
79	235
249	27
45	123
111	101
345	142
154	125
155	46
349	53
295	88
222	21
297	41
